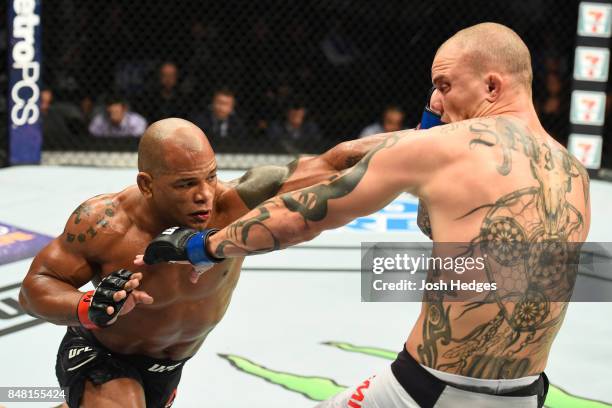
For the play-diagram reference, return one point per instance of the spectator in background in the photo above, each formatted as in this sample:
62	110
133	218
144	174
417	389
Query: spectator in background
392	121
199	61
163	99
553	105
295	134
219	121
271	103
87	107
118	120
53	123
60	120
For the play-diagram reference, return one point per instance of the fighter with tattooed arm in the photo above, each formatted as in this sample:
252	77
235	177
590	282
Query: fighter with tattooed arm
127	342
493	175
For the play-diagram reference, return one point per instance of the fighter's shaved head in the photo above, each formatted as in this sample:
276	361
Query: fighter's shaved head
492	46
166	139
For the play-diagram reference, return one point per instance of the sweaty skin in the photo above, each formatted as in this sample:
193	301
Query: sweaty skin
492	175
177	185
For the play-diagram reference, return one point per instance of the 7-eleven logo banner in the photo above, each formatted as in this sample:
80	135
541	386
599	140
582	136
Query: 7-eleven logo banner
594	19
591	64
587	149
588	108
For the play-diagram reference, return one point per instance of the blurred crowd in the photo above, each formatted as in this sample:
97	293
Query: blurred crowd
271	75
281	118
284	124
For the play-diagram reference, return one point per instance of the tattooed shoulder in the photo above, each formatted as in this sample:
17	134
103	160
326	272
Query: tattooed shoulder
89	218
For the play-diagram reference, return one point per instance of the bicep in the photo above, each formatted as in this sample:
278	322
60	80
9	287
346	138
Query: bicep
384	175
58	261
67	257
262	183
371	184
312	170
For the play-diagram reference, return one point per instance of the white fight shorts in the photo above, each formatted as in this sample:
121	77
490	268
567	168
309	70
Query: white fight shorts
407	384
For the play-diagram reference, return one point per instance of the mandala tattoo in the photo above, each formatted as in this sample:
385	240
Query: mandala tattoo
527	238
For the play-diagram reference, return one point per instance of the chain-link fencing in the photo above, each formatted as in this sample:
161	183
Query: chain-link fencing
270	76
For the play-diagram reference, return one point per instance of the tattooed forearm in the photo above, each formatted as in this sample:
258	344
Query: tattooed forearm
257	233
312	203
262	183
351	161
238	234
347	154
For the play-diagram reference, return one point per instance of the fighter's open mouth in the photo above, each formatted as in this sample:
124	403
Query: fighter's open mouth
200	214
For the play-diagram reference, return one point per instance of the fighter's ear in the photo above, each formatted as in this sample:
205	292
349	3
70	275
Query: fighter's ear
494	85
144	181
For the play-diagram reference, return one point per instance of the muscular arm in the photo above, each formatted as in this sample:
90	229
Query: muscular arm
50	289
262	183
395	165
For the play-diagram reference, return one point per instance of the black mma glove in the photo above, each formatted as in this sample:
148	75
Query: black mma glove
91	311
180	244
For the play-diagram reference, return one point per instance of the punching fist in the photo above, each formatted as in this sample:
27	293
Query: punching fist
181	245
114	296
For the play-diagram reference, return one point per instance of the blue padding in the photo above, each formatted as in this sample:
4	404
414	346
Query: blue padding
195	250
430	119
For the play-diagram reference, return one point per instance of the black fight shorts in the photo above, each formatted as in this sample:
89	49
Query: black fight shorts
81	357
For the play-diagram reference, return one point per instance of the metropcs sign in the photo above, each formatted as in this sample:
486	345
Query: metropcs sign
25	91
24	75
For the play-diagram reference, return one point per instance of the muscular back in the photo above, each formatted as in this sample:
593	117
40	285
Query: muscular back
489	180
521	200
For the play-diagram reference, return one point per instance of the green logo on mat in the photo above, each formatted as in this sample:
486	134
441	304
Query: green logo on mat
321	388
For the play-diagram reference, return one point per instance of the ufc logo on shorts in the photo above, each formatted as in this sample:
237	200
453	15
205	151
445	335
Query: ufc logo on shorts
76	351
358	395
156	368
170	231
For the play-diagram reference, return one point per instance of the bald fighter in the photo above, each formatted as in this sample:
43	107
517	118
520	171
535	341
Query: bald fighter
492	179
127	341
